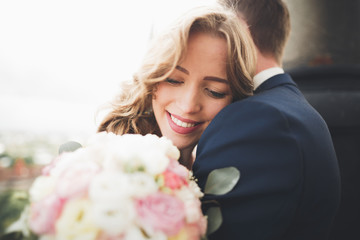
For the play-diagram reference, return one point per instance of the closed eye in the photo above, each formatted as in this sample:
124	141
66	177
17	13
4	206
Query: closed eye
215	94
173	81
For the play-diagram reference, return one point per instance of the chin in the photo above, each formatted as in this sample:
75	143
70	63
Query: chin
183	145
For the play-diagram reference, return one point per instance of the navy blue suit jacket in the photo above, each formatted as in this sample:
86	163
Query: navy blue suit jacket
289	186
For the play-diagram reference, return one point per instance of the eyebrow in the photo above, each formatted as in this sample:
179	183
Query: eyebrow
216	79
182	69
210	78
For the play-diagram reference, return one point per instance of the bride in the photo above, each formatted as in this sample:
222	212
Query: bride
202	63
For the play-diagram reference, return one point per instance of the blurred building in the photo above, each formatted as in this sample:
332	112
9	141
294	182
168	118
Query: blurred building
324	32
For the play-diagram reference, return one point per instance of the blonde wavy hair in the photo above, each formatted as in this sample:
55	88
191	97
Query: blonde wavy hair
130	111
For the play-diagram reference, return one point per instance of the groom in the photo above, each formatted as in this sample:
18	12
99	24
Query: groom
290	185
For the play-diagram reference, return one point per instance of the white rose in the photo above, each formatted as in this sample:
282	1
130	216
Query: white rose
163	145
76	221
154	161
192	204
110	186
142	184
170	150
47	237
195	189
134	233
114	217
42	187
66	160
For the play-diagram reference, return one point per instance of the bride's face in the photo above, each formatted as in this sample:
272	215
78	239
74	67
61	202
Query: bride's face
186	102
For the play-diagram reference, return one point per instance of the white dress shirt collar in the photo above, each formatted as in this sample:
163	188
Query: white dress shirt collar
265	75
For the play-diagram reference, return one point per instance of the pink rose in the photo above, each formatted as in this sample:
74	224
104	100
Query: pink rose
173	181
178	169
176	175
75	180
47	169
202	225
43	214
195	231
161	212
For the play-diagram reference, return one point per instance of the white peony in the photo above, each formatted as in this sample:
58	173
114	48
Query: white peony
76	221
42	187
170	150
66	161
155	161
195	189
192	204
114	217
110	187
47	237
142	184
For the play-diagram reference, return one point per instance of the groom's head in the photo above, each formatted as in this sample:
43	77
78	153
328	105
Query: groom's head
268	22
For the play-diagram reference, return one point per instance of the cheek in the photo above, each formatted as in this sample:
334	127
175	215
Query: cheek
216	107
161	97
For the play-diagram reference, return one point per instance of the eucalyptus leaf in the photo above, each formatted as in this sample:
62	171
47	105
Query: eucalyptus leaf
221	181
70	146
214	219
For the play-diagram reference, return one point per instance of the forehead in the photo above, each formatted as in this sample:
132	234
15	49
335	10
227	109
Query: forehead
206	55
206	45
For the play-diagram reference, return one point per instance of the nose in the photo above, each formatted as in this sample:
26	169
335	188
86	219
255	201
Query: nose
190	100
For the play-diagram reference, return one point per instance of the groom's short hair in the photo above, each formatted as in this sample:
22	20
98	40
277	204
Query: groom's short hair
268	22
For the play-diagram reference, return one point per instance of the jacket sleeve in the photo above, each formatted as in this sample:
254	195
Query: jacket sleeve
256	139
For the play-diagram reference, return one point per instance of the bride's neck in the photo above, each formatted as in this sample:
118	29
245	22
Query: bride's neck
186	158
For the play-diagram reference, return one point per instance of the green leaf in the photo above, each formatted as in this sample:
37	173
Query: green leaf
70	146
12	236
20	225
18	236
221	181
214	219
12	203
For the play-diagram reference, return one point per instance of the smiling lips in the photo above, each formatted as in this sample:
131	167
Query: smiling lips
182	126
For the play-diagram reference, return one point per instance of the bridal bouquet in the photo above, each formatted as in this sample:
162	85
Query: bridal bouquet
117	187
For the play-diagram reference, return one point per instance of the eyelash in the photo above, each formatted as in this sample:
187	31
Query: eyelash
211	93
172	81
215	94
